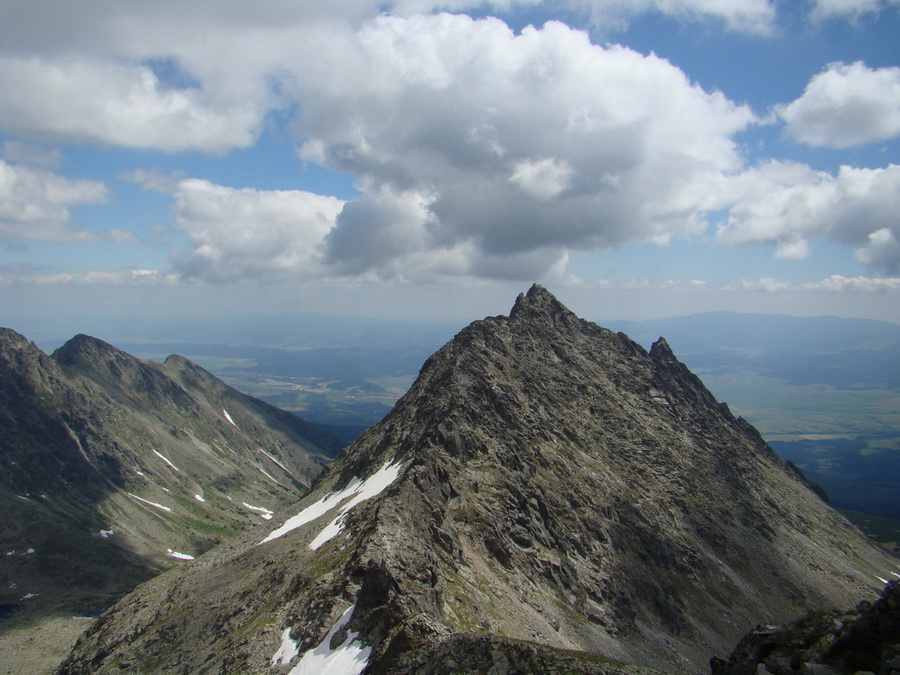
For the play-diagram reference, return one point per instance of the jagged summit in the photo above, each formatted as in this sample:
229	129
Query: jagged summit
538	301
548	496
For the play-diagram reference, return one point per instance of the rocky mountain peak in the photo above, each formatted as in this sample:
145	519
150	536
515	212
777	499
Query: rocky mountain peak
86	351
538	302
548	496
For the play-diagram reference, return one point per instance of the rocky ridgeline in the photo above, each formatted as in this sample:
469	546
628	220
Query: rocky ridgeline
547	497
113	469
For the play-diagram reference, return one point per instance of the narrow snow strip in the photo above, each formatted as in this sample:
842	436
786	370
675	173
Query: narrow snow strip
268	475
288	650
141	499
199	498
274	460
348	658
228	417
77	440
371	487
884	581
166	460
180	556
357	489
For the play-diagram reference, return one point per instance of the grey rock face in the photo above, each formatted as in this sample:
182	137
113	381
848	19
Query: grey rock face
560	499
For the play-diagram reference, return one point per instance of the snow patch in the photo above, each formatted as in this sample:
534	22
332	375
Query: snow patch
348	658
166	460
199	498
371	487
154	504
228	417
105	534
28	596
265	514
176	554
356	490
288	650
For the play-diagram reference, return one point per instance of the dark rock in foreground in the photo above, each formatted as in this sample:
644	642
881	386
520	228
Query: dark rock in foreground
864	640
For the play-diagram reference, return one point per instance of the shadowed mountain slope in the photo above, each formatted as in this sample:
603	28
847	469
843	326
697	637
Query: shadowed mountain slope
547	497
112	469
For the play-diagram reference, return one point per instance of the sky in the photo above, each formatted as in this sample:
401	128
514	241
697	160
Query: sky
192	163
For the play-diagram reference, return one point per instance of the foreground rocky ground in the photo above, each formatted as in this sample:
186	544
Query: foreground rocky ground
37	645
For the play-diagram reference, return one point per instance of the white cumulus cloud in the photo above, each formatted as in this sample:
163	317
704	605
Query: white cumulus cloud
35	203
788	204
249	233
846	105
882	251
117	103
509	144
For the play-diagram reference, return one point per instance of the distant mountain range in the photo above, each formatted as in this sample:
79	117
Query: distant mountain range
548	497
113	469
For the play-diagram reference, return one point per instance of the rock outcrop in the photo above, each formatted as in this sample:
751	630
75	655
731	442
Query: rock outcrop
547	497
865	639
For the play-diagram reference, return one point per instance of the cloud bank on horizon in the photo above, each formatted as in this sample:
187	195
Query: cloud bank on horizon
484	140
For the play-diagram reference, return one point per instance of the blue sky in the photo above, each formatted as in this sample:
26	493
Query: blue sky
190	162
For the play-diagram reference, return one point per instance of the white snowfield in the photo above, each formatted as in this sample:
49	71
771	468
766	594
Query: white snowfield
348	658
356	491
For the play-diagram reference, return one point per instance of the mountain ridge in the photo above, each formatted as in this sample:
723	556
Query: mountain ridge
114	469
545	482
